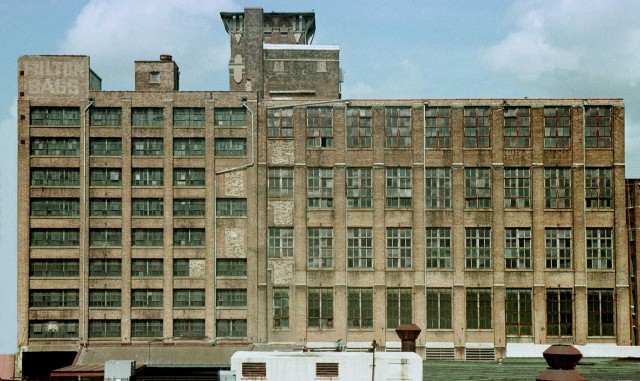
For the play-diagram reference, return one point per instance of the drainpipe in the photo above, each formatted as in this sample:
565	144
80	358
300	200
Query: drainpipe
83	227
585	103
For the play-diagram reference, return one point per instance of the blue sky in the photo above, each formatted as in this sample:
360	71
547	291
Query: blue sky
389	49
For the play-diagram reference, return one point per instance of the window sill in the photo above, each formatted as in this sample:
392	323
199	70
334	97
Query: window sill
519	270
438	269
188	156
112	217
512	209
438	149
231	307
104	308
481	270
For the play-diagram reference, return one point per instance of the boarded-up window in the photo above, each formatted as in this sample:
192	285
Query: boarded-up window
254	369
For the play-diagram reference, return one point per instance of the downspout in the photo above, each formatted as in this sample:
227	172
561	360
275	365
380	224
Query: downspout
424	185
346	237
84	231
585	103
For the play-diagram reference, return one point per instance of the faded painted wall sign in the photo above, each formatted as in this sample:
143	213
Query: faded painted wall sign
54	76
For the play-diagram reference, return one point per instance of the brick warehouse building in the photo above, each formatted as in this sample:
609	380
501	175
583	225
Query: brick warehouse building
278	212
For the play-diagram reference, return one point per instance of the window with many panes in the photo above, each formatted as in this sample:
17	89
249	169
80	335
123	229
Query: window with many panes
189	267
104	328
477	188
105	147
439	311
437	192
188	116
320	127
190	297
105	177
231	267
105	267
320	248
280	123
189	207
280	243
54	237
231	297
105	207
105	237
320	308
146	267
55	146
438	248
477	248
188	328
517	127
557	127
517	248
559	312
397	127
478	308
53	298
600	307
236	147
598	187
599	248
147	207
147	177
146	237
188	147
398	190
557	188
146	298
477	130
320	187
54	207
55	116
280	182
557	248
360	308
231	328
399	307
49	329
517	188
106	116
188	237
280	308
189	177
518	312
437	127
54	268
230	117
359	247
147	117
399	246
146	328
55	177
231	207
597	129
105	298
359	127
359	188
147	147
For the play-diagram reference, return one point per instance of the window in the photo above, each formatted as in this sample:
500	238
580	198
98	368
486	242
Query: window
557	188
231	147
105	298
154	77
437	191
147	267
231	207
557	127
477	188
188	237
105	268
105	147
230	117
146	298
477	130
359	127
600	306
319	127
104	328
105	177
54	268
147	147
188	328
105	237
147	207
188	207
399	310
188	298
397	127
320	308
519	312
599	248
359	188
320	187
105	207
146	237
147	117
517	127
188	147
189	177
439	309
188	117
437	127
517	248
477	247
360	308
231	328
106	116
280	123
280	242
557	248
55	146
147	177
189	267
398	190
146	328
360	248
231	267
517	188
280	182
232	297
398	248
320	248
55	116
53	298
55	237
55	177
597	127
599	188
438	248
280	308
50	329
55	207
559	312
479	308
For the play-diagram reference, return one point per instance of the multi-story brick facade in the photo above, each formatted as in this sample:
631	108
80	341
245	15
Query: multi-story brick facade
279	212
